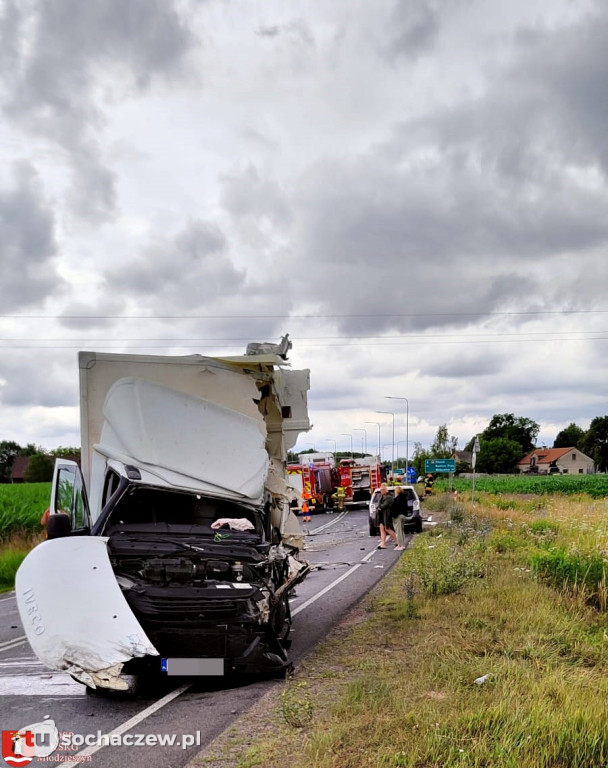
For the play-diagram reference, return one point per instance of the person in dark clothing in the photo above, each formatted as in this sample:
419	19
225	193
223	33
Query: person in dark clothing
385	519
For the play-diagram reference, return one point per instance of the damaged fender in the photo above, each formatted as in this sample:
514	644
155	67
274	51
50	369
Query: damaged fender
74	614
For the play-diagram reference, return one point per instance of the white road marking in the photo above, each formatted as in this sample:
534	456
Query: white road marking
56	684
126	726
6	599
329	524
333	584
16	641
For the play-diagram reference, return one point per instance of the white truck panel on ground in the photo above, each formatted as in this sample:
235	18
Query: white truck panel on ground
74	613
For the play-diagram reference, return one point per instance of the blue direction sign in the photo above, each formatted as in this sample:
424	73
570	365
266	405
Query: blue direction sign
440	465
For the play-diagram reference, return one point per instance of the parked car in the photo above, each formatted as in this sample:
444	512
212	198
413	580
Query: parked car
413	520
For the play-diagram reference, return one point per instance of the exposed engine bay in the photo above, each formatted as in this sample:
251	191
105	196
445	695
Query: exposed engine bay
204	577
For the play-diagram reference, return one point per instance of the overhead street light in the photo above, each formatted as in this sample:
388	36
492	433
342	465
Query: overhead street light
407	428
401	442
362	429
347	434
390	413
377	423
329	440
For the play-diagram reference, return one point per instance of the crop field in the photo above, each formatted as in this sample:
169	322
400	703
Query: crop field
21	507
595	486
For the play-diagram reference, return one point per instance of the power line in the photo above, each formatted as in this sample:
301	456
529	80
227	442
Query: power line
299	339
306	317
426	342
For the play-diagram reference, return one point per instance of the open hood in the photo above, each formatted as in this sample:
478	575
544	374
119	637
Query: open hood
184	440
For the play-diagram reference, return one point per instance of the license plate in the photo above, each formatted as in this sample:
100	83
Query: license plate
193	667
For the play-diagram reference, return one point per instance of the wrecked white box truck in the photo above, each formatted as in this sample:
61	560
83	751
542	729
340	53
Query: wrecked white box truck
174	549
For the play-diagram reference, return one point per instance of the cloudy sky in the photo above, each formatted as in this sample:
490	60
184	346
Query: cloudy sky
414	190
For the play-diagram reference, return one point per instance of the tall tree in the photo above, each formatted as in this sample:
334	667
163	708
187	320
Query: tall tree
517	428
66	452
499	455
419	456
9	450
570	437
444	444
595	444
39	469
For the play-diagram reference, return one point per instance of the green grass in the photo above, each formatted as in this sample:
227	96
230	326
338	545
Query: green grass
21	506
395	685
10	560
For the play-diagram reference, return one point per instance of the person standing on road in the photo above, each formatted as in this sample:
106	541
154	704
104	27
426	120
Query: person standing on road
340	498
384	517
305	512
398	514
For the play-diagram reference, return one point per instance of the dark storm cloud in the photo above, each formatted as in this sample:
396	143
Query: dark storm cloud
27	243
571	67
269	31
192	274
183	271
414	27
55	54
467	207
465	364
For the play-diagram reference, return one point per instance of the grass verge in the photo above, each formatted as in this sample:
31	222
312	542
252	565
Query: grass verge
463	656
12	552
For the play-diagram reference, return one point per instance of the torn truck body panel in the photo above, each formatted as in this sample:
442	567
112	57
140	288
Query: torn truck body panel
74	613
183	509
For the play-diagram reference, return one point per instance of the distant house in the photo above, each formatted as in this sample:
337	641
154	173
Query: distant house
548	461
463	457
19	467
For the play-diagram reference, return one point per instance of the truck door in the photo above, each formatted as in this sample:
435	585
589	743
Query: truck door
68	495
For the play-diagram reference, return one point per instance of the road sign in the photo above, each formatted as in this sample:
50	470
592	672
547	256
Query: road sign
476	447
440	465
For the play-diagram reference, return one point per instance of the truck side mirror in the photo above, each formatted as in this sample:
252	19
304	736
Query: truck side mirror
58	525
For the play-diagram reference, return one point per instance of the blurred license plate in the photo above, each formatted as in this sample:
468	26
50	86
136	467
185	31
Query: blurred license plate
193	667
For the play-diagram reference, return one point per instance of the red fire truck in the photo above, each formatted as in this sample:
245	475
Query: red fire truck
360	477
314	479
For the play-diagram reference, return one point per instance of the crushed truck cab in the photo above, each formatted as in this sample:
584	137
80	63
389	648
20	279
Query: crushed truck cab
173	547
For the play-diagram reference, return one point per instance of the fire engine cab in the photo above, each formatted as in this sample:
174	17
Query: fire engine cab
314	479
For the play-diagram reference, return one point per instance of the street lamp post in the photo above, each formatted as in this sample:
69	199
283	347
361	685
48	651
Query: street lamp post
390	413
347	434
407	429
362	429
377	423
329	440
402	442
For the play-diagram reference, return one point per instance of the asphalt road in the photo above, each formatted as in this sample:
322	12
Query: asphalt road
348	566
